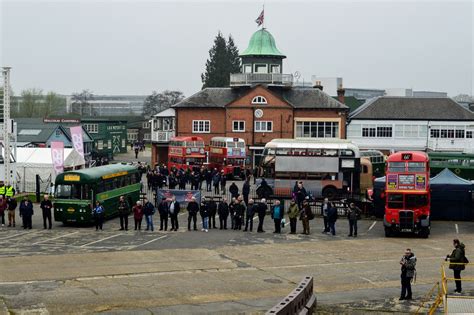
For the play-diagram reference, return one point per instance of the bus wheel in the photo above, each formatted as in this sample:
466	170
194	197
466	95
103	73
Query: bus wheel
388	232
424	232
329	192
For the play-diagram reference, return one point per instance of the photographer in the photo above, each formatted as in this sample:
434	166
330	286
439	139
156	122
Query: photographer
457	260
408	263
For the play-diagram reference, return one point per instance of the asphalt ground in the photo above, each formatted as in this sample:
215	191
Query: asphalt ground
80	270
77	270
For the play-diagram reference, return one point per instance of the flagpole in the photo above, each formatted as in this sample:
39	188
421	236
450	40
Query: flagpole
263	9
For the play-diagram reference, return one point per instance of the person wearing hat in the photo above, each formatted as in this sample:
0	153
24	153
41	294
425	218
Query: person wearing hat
163	210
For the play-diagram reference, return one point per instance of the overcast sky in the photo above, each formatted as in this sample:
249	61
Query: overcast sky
132	47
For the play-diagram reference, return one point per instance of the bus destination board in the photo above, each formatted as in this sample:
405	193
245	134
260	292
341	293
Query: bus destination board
406	181
420	182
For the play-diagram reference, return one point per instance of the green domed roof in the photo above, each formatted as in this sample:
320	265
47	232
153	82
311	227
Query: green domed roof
262	43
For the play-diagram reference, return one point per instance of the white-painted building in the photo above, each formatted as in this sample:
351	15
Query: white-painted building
409	123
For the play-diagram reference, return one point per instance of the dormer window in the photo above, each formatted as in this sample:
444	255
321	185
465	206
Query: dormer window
259	100
275	68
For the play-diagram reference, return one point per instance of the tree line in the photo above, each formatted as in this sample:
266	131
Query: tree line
223	60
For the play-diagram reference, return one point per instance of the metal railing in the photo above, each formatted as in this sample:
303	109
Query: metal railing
254	78
300	301
442	291
161	136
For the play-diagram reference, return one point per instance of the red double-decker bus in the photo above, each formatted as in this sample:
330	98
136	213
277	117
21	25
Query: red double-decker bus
186	153
407	188
228	154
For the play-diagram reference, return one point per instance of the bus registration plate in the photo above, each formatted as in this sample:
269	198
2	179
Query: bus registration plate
405	230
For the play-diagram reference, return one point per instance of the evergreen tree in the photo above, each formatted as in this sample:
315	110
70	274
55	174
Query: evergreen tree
223	60
233	56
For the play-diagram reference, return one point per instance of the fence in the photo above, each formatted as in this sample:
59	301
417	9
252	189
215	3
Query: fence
300	301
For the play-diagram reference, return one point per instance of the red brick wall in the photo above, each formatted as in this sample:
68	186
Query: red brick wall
185	117
277	110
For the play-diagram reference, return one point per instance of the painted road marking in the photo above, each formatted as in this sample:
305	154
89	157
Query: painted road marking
19	234
55	238
457	228
372	226
151	241
102	239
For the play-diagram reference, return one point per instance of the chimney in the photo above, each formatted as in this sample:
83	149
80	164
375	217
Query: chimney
340	94
318	85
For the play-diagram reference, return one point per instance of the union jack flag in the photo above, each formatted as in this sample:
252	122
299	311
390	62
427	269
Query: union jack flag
259	20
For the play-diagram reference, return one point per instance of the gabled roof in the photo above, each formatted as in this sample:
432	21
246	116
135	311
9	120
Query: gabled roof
412	108
34	130
169	112
298	97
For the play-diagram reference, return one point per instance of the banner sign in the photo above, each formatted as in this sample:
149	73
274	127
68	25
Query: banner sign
392	181
420	182
181	195
57	155
77	141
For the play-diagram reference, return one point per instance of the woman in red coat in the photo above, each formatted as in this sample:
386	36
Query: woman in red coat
138	215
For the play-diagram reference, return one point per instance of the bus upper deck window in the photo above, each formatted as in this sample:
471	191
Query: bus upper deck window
396	166
314	152
283	151
416	166
330	152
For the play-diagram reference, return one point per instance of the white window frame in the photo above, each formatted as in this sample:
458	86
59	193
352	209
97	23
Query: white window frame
275	66
146	125
92	128
261	123
255	65
245	66
259	100
203	128
240	123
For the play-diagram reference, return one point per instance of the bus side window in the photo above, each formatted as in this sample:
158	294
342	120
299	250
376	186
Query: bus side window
126	180
365	169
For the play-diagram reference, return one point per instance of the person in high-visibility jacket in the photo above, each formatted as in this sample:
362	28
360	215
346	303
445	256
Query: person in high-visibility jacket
2	189
9	191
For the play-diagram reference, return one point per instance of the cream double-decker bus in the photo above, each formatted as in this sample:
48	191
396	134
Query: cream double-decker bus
327	167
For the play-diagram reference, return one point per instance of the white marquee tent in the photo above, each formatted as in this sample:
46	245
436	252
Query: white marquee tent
38	161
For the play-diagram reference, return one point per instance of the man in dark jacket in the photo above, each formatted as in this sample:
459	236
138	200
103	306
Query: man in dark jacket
408	265
262	211
246	191
216	179
26	212
174	209
239	213
212	213
300	194
208	177
148	211
46	207
123	212
234	190
332	218
353	214
163	210
11	202
277	213
223	182
223	211
252	208
457	260
193	209
204	212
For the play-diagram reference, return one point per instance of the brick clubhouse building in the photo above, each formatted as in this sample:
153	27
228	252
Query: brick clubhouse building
260	104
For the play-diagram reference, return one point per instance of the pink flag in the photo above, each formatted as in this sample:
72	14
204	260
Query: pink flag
57	155
77	142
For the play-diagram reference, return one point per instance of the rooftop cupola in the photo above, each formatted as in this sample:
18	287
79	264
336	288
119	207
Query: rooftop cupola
262	63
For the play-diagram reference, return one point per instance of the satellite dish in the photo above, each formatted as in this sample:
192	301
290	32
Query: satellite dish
297	75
